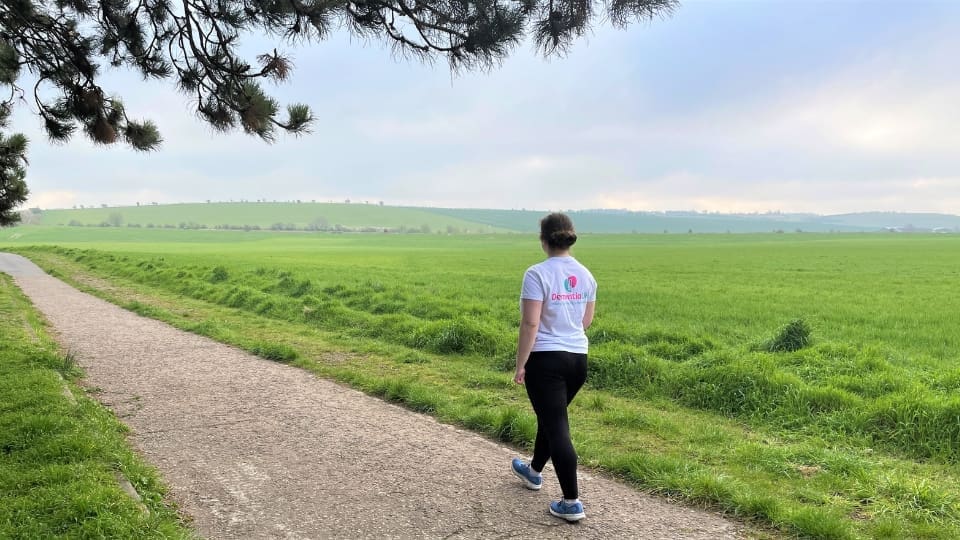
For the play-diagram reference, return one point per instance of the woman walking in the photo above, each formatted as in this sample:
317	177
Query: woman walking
557	302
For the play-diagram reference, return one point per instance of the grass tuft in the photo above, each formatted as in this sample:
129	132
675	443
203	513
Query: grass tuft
278	352
793	336
218	274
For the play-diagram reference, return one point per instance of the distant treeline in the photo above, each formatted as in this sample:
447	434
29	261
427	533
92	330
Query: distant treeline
313	227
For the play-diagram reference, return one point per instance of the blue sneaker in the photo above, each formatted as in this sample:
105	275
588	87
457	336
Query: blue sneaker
569	511
530	479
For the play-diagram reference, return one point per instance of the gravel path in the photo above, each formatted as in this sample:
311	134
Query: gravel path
255	449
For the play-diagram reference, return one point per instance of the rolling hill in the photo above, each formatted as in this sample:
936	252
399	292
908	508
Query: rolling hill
376	218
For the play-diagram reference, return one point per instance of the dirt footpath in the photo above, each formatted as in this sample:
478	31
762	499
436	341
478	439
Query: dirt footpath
255	449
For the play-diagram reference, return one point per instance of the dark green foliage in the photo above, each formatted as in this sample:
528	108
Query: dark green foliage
218	274
142	135
13	157
794	336
9	63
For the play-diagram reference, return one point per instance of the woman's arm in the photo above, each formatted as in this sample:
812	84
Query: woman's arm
588	314
529	324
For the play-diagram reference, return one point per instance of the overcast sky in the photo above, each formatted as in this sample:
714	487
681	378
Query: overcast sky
797	106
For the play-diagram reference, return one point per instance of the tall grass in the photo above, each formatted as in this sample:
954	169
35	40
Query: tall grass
788	387
703	381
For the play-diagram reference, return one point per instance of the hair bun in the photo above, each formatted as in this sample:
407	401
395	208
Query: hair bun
563	238
557	231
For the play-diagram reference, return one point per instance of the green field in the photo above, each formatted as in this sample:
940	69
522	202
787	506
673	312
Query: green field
856	435
61	453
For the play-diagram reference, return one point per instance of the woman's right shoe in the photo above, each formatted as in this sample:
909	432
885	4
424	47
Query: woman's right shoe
569	511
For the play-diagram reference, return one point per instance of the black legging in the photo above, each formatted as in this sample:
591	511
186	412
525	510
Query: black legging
553	378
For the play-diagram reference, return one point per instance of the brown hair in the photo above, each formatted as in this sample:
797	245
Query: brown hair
557	231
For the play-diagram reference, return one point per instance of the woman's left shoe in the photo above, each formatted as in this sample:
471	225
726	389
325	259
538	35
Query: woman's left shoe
530	478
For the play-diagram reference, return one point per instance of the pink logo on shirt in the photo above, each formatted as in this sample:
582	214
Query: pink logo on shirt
569	284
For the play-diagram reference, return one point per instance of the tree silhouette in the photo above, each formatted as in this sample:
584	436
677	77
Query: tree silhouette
13	189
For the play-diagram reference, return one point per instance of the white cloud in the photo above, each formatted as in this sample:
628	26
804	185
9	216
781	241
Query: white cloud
882	114
52	199
69	199
684	191
536	181
439	126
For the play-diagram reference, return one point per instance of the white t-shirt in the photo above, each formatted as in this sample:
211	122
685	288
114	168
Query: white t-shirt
565	287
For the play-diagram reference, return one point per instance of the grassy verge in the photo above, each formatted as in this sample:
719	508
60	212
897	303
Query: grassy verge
62	454
728	429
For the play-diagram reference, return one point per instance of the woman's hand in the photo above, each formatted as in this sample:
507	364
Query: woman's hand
529	324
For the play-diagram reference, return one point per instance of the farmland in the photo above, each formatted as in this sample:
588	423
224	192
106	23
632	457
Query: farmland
282	216
369	217
853	435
